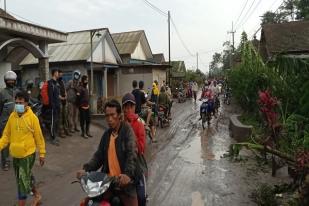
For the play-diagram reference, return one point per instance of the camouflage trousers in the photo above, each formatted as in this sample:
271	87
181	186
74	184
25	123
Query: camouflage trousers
63	119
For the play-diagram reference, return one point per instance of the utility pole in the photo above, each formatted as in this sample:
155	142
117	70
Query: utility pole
169	48
233	44
5	6
233	36
197	61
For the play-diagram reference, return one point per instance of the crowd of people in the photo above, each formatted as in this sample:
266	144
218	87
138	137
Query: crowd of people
121	150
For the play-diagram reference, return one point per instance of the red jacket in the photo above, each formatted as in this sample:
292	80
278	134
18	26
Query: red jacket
139	131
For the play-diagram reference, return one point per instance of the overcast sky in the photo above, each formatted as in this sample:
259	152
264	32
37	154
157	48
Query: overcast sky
202	24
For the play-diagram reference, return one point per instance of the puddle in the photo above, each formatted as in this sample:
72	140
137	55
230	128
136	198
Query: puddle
197	199
193	153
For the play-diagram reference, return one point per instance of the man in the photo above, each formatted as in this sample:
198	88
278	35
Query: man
7	101
195	90
116	155
84	108
63	120
24	135
170	99
128	105
73	94
138	97
163	100
52	111
146	111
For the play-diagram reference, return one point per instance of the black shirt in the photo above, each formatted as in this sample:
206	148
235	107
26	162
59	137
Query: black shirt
139	98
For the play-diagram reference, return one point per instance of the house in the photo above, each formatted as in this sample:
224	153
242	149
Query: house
18	39
76	54
138	61
158	58
178	73
289	39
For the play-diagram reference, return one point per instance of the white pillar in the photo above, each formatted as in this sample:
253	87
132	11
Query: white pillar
118	82
105	83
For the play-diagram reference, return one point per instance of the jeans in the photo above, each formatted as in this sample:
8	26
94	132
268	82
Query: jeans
84	115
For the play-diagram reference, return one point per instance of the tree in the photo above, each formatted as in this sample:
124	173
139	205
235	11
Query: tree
215	63
303	10
270	17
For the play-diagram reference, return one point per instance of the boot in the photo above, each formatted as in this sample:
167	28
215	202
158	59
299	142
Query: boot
83	133
87	131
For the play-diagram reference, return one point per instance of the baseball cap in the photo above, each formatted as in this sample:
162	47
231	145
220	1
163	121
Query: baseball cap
128	98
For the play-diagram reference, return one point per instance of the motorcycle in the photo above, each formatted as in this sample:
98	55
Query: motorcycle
95	185
181	96
205	112
163	119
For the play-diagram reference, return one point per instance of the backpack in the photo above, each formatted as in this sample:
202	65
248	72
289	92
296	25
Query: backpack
44	94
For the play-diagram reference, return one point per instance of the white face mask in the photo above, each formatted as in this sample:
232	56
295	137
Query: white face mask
20	108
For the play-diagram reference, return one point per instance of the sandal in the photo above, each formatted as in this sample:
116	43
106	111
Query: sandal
36	200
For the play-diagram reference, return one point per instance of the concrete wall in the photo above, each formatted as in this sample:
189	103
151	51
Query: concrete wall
126	79
4	67
159	75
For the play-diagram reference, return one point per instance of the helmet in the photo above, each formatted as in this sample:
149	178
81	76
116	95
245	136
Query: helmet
10	75
76	74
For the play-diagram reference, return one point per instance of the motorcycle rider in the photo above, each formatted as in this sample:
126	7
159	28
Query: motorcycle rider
146	112
215	91
163	100
128	106
116	155
207	93
7	105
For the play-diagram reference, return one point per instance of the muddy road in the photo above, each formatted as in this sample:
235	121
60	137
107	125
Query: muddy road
186	167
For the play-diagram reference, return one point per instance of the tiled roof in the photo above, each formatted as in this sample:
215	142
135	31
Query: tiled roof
286	37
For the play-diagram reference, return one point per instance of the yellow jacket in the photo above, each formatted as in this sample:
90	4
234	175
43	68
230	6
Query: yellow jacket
23	134
155	89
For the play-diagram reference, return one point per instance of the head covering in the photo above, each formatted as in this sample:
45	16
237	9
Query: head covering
128	98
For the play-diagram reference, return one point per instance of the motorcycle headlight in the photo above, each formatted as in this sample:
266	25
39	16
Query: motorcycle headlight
94	189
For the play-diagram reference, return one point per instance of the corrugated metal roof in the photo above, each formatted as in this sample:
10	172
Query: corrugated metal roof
126	42
76	48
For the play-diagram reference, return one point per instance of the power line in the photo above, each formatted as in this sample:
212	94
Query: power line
274	12
180	38
256	6
236	26
241	11
155	8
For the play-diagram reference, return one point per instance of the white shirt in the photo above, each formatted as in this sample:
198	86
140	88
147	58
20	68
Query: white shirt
195	87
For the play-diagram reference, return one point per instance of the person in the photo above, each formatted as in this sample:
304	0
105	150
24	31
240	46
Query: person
154	96
128	105
24	135
116	155
170	98
146	112
63	120
195	90
84	108
52	110
138	97
207	93
72	95
163	100
7	102
215	91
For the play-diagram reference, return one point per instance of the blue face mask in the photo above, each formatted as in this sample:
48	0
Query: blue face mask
20	108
